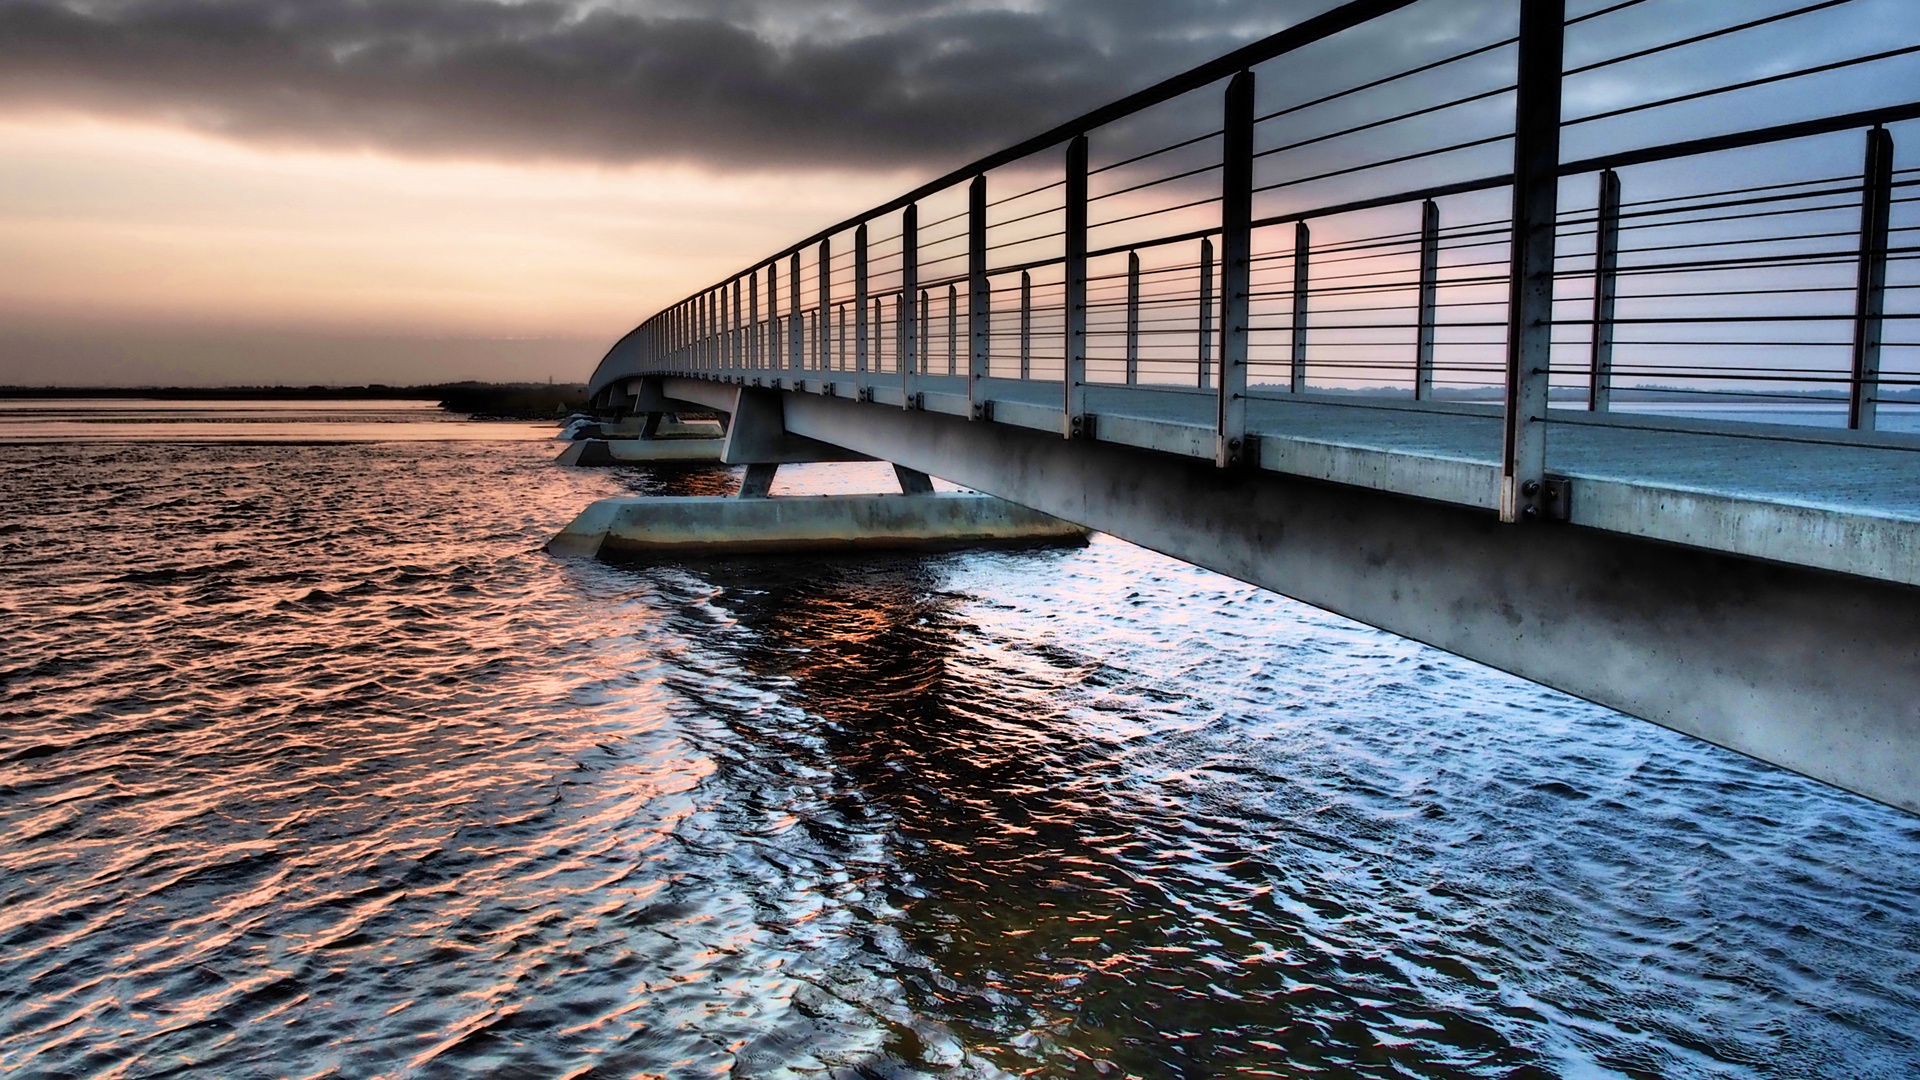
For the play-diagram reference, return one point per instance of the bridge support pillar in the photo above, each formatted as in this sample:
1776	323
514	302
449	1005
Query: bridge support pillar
758	483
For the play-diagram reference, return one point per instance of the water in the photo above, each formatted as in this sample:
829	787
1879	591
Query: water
312	764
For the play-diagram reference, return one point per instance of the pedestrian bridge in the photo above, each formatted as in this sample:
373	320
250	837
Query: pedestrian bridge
1576	342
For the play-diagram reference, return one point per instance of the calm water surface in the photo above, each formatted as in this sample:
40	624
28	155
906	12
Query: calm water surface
312	764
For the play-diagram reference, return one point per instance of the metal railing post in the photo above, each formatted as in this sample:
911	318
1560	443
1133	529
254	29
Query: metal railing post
877	353
907	344
1236	271
1870	300
753	320
772	358
979	301
796	326
1206	314
861	328
1026	326
1073	379
1302	272
823	324
736	352
1133	318
1536	192
1606	279
924	364
953	329
1429	301
841	363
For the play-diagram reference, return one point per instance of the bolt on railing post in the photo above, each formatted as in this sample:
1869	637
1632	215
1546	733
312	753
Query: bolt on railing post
1606	279
823	325
1236	271
1026	326
1133	318
1205	378
1870	299
1302	273
907	342
1429	301
979	300
796	326
1074	378
861	328
1536	192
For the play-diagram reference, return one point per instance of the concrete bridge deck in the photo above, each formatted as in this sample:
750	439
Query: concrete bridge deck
1828	498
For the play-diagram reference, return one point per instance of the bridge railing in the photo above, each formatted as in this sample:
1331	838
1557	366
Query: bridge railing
1549	211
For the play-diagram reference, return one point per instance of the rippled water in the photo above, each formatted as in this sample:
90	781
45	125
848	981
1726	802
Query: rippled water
312	764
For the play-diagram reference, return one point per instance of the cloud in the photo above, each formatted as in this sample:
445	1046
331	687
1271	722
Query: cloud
760	83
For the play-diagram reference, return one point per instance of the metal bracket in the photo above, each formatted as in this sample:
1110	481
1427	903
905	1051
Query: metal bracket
1546	500
1558	503
1083	427
983	410
1242	453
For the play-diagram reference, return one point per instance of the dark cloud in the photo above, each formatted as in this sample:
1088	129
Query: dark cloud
756	82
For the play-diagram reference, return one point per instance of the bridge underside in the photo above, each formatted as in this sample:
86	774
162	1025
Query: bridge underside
1810	669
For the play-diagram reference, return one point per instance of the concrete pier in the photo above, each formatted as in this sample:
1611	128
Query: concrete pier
591	452
707	526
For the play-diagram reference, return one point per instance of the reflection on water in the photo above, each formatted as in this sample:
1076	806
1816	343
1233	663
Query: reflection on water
312	764
34	420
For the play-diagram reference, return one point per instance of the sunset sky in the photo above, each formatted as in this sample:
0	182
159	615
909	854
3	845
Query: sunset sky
340	191
219	191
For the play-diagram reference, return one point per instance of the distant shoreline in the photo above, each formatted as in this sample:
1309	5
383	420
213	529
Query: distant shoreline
491	401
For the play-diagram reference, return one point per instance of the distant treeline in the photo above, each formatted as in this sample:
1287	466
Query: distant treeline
514	401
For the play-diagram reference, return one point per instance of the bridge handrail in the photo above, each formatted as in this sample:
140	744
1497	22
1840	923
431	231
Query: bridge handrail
1225	311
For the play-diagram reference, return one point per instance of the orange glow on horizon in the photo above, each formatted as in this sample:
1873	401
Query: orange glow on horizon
104	222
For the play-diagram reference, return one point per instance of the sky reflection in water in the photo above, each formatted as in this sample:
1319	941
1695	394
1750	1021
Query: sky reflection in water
312	764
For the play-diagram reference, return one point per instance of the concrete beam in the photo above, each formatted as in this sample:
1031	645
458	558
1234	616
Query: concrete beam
1810	670
757	435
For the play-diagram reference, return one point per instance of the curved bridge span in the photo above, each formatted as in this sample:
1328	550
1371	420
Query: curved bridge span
1637	423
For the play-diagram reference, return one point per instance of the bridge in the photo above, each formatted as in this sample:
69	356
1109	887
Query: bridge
1441	331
